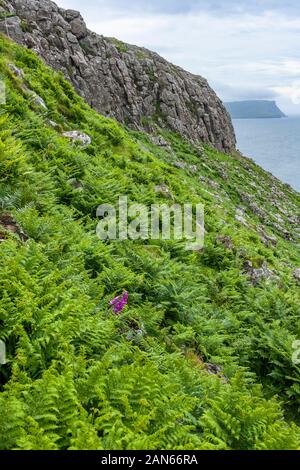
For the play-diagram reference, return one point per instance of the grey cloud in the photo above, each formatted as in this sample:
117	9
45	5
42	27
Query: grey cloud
235	93
242	52
181	6
217	6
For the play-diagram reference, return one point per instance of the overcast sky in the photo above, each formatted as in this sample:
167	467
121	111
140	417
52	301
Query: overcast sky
247	49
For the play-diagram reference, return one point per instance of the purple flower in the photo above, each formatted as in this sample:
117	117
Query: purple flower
118	303
114	301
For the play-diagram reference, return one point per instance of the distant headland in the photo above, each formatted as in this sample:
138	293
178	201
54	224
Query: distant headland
254	109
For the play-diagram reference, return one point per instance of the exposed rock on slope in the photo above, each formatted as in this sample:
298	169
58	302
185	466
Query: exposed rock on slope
131	84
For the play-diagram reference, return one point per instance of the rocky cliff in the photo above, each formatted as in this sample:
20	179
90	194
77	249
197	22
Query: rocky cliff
133	85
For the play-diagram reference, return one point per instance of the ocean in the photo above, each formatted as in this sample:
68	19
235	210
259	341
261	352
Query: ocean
274	144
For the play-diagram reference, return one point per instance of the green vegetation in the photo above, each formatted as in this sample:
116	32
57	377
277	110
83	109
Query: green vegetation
86	48
151	75
80	377
158	116
25	26
3	16
120	45
141	54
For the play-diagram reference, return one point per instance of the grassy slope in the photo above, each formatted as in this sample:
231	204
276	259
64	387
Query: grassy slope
78	377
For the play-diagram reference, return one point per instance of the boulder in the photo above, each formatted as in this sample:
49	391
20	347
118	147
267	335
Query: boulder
17	72
258	274
78	28
77	136
164	190
180	165
296	274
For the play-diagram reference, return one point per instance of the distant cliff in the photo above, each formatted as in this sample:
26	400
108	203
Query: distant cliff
133	85
254	109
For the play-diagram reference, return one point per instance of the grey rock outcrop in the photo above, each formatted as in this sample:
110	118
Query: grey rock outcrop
296	274
258	274
36	99
77	136
133	85
164	190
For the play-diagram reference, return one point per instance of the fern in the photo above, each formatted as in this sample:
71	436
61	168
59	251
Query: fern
78	376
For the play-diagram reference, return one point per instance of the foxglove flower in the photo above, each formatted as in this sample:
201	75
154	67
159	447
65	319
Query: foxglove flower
118	303
114	301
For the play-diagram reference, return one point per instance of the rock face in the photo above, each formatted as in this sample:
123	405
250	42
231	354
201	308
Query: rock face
297	274
133	85
258	274
77	136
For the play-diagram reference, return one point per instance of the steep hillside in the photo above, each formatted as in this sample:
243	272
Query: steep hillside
201	357
136	86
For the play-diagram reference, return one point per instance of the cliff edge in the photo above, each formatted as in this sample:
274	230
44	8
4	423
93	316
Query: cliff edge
129	83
